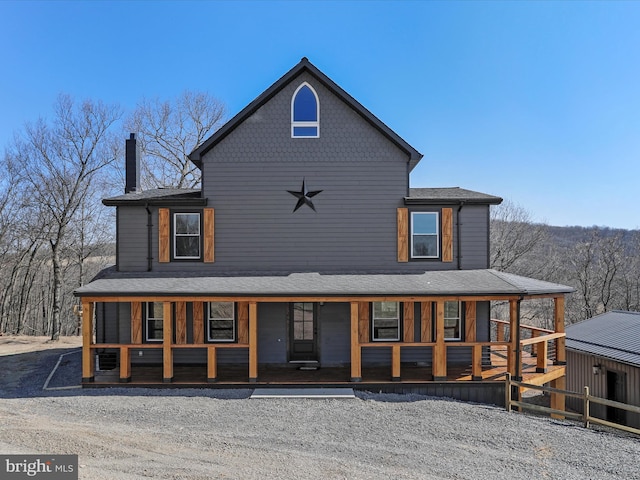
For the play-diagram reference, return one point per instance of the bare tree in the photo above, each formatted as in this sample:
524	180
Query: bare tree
517	243
169	131
596	265
58	161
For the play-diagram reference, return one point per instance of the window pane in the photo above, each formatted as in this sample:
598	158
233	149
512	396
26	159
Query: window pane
187	246
451	333
425	246
385	333
155	310
221	310
425	223
451	309
154	329
305	131
187	223
221	330
304	106
303	321
385	310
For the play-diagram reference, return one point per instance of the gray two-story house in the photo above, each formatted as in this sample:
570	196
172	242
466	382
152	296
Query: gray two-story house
304	253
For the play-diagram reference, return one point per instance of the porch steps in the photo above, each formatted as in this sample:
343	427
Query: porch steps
303	393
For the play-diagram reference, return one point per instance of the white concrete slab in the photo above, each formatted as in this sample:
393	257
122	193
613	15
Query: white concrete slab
303	393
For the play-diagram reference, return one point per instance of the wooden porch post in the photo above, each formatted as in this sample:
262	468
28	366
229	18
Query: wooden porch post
253	342
212	365
356	367
88	359
125	364
440	350
167	340
395	363
470	315
513	325
541	363
557	399
561	355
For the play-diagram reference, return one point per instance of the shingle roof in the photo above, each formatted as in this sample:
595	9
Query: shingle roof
304	65
450	283
449	195
614	335
176	196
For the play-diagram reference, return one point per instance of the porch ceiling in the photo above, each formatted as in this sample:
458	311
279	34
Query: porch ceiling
440	283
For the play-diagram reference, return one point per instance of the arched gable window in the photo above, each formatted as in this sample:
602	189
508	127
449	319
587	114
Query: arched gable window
305	112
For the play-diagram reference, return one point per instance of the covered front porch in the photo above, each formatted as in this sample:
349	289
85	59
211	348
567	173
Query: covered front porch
420	354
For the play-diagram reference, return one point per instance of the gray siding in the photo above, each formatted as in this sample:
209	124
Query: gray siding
246	177
132	238
334	329
474	235
580	374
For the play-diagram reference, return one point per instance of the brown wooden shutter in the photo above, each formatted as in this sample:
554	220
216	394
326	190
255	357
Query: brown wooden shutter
243	322
163	235
363	322
470	321
209	235
403	235
136	322
447	235
426	325
407	319
198	322
181	323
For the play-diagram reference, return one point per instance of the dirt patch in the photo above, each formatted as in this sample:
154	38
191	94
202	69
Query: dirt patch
12	344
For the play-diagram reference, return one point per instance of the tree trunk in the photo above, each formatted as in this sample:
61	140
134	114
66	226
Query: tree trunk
57	291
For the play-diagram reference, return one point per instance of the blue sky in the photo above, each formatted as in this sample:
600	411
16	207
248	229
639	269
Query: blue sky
537	102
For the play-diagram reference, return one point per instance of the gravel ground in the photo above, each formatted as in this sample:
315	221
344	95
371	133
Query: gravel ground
125	433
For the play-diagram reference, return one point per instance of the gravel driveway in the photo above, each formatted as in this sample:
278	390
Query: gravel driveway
201	434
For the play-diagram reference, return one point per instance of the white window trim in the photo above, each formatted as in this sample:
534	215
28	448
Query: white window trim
373	323
458	318
437	234
176	235
315	124
148	317
210	319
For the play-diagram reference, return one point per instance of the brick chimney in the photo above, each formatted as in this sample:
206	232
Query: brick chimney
132	165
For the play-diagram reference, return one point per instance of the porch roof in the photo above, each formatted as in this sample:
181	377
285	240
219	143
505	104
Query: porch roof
439	283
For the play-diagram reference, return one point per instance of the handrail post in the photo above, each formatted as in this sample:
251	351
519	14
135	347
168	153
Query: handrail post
585	407
507	392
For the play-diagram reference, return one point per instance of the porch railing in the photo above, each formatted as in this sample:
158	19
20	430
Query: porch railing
539	342
125	354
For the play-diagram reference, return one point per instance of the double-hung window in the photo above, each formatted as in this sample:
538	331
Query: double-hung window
385	321
305	113
425	242
154	320
186	236
452	321
221	322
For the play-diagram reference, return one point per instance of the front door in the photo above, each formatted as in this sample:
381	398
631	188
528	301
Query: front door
303	332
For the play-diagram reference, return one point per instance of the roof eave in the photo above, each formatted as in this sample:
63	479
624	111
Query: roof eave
452	201
159	202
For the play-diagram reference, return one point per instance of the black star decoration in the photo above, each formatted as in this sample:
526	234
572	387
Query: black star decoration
304	196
